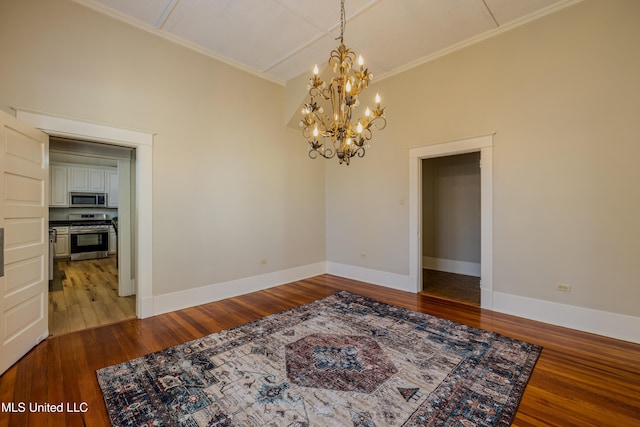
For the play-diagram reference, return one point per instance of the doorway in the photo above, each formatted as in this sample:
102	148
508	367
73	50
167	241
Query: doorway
142	257
483	145
451	227
97	289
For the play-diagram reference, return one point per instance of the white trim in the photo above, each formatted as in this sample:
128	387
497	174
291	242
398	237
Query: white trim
486	224
143	143
74	128
452	266
613	325
202	295
376	277
98	7
483	144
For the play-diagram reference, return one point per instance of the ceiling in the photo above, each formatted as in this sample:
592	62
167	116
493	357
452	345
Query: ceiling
281	39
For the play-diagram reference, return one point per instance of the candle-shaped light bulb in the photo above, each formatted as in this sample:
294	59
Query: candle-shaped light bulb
359	128
348	141
378	99
348	87
315	131
360	61
367	112
315	70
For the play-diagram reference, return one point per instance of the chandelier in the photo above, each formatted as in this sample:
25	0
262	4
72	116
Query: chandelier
335	133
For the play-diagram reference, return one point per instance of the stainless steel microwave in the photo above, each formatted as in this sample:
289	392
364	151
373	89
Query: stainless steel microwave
87	200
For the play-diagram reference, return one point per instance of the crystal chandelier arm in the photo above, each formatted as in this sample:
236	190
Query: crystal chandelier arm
311	121
327	153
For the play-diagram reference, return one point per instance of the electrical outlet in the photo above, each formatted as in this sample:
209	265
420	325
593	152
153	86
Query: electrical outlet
563	288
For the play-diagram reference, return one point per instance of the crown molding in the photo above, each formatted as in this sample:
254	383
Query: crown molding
94	5
480	37
98	7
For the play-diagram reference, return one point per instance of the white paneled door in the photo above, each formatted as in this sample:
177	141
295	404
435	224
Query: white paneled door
24	216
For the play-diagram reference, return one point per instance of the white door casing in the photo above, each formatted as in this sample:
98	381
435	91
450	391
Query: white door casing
24	217
483	144
143	143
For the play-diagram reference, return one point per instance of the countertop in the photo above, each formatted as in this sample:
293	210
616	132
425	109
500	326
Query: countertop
59	223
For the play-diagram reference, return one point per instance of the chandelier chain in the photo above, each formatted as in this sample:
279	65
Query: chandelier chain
342	22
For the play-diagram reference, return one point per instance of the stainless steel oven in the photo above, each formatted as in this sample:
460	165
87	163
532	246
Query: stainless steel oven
89	236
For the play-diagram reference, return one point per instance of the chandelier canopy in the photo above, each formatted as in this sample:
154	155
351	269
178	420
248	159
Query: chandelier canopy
335	133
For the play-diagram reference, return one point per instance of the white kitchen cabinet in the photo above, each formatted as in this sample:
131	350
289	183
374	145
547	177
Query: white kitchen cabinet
59	195
61	246
113	241
86	179
66	178
111	179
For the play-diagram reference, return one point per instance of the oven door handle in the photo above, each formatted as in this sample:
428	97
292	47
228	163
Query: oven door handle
75	232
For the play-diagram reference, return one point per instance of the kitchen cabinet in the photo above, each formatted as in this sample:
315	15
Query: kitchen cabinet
111	180
66	178
61	246
59	194
86	179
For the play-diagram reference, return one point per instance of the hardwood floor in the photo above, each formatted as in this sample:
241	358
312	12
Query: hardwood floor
89	296
451	286
580	379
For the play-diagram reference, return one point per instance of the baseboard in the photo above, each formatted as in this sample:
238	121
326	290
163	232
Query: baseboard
452	266
486	298
144	307
376	277
191	297
613	325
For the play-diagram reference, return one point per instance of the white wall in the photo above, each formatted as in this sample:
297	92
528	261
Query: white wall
232	185
561	95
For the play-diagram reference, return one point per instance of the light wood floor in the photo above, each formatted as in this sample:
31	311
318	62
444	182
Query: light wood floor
580	379
89	297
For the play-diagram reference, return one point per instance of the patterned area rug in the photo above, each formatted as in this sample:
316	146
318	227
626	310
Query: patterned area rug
344	360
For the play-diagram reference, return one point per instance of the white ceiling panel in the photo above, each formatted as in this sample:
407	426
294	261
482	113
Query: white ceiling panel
246	31
326	14
303	62
420	28
148	11
281	39
506	11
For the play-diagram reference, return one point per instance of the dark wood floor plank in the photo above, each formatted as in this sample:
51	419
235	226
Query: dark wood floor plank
580	379
54	384
7	391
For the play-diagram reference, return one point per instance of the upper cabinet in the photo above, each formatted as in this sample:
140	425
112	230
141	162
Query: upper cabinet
112	182
86	179
67	178
59	194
